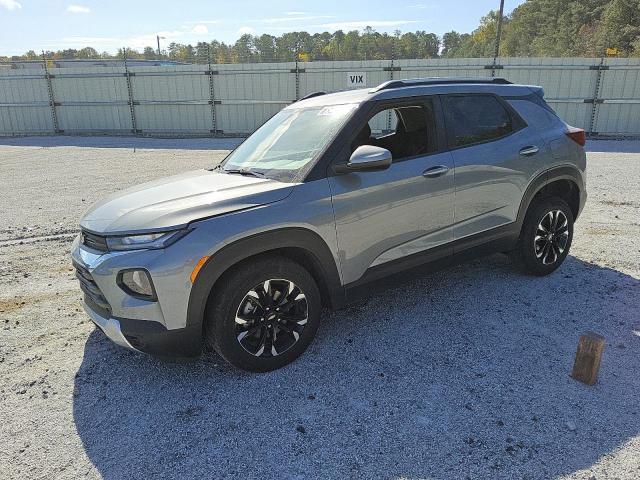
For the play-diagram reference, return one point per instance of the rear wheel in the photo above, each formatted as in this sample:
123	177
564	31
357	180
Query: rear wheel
266	314
546	236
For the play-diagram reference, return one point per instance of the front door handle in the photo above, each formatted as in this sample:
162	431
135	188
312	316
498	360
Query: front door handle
528	151
435	171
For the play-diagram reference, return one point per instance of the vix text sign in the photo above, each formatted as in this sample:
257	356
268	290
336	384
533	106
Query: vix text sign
356	79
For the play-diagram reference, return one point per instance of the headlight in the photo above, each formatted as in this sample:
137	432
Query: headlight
144	241
137	283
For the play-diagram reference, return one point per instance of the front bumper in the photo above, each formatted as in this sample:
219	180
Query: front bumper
155	327
149	336
110	327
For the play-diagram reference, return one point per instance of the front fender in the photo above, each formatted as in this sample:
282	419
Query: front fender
252	245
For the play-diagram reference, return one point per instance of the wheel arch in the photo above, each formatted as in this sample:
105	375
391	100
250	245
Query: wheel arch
299	244
564	181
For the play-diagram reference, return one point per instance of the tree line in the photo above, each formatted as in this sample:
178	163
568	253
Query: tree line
556	28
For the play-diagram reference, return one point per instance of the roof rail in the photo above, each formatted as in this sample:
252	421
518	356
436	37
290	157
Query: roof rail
311	95
417	82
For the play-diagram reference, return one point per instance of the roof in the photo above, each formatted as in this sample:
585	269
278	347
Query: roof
415	87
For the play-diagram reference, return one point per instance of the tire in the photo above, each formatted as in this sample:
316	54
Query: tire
542	248
266	314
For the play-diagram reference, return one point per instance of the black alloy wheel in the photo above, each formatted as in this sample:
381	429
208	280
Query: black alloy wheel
271	317
263	313
552	236
546	236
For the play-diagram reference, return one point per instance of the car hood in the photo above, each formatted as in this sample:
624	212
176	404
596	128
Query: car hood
176	201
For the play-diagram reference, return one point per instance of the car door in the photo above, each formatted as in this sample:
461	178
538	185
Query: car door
386	216
494	158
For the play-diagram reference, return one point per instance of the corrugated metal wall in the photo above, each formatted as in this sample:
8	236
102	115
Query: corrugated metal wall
601	96
24	103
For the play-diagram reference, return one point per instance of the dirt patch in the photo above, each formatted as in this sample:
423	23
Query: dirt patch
602	230
9	305
616	203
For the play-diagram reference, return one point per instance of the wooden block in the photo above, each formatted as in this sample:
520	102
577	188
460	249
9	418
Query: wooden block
588	356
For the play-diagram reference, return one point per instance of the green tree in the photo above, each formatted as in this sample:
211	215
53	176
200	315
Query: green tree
333	50
320	43
87	52
620	27
430	44
69	53
553	28
173	50
243	50
481	42
265	47
31	55
451	42
351	47
534	28
149	53
368	47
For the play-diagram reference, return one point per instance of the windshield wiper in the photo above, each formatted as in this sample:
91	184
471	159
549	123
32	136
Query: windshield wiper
245	172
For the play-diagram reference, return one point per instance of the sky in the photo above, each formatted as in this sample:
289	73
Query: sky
108	25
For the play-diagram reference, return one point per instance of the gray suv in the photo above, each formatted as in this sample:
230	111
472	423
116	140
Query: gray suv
335	194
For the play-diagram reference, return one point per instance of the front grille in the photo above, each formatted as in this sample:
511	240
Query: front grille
93	296
97	242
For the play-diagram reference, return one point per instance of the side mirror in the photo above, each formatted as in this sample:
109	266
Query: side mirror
366	157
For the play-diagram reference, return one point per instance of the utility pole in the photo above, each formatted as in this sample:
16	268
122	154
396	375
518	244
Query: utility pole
498	35
158	37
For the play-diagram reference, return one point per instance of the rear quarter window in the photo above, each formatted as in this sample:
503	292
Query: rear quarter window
537	116
476	119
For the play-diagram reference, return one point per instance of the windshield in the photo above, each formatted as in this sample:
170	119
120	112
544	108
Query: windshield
288	143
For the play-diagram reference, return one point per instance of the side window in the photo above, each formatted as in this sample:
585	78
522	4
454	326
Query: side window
476	118
405	130
383	123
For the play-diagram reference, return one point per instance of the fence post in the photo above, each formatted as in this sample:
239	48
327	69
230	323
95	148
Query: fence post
212	94
390	78
496	52
596	96
132	110
391	68
297	79
52	102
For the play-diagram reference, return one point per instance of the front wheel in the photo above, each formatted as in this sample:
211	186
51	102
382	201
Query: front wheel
546	236
265	315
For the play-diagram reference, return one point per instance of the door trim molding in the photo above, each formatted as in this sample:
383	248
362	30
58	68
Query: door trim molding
399	271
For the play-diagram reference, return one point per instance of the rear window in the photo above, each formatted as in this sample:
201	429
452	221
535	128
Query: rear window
476	118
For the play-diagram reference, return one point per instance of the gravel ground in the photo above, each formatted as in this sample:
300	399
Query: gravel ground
460	374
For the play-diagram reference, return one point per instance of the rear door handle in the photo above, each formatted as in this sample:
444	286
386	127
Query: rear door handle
435	171
528	151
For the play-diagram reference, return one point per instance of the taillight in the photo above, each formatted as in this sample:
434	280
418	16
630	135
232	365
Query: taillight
577	135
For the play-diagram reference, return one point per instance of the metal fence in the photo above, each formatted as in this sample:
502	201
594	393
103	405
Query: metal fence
600	95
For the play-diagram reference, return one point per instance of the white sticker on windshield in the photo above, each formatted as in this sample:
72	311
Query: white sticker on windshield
336	109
